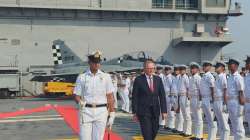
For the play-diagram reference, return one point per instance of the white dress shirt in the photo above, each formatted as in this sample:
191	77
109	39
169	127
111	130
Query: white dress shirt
207	81
247	85
220	85
194	85
149	78
183	84
168	81
94	88
235	84
174	87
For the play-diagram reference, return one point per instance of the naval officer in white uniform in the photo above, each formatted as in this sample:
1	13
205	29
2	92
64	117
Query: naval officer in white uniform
247	92
195	100
236	99
93	93
207	86
114	82
174	91
184	102
171	98
220	101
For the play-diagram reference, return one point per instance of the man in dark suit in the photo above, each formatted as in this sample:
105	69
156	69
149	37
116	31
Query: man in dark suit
148	100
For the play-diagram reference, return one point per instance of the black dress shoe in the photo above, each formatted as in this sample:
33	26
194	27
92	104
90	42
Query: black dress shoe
186	135
194	138
162	126
168	129
182	134
174	131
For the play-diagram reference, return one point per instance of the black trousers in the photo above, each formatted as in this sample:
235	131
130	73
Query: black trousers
149	124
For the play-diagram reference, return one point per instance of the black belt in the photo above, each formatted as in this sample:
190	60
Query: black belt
94	105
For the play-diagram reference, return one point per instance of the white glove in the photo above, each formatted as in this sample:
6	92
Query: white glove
240	110
199	104
225	108
187	102
81	104
111	119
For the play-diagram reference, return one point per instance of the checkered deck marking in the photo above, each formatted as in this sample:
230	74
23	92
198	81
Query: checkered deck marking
57	79
57	56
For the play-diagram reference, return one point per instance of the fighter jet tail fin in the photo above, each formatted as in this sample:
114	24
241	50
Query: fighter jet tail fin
62	54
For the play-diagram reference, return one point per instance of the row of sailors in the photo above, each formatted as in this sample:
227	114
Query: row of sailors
221	97
123	85
188	97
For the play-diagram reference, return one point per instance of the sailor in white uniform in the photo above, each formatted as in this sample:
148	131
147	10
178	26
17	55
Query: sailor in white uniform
114	82
132	80
220	100
120	87
93	93
159	72
236	99
125	86
174	91
247	92
184	102
207	86
195	99
171	98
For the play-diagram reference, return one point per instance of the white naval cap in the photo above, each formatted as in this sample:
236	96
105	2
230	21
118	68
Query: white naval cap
207	63
194	65
168	67
220	63
183	66
233	61
126	73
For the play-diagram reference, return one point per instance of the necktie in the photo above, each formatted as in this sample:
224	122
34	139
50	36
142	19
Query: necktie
151	84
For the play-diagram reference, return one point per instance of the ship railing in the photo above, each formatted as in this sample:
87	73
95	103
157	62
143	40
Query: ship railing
162	5
207	35
188	6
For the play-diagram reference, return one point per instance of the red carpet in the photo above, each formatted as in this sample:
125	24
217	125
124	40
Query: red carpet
69	113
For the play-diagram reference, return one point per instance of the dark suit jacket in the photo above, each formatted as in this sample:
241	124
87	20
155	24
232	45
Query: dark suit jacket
143	100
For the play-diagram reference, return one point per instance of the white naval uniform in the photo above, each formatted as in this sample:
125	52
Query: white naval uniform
218	107
247	95
179	117
132	84
161	121
93	89
183	85
125	94
114	82
235	84
194	93
171	100
208	81
120	91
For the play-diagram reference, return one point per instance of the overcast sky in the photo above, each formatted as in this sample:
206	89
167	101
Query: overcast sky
240	29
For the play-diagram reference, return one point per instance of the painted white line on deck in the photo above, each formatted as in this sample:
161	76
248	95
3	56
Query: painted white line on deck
30	120
35	116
